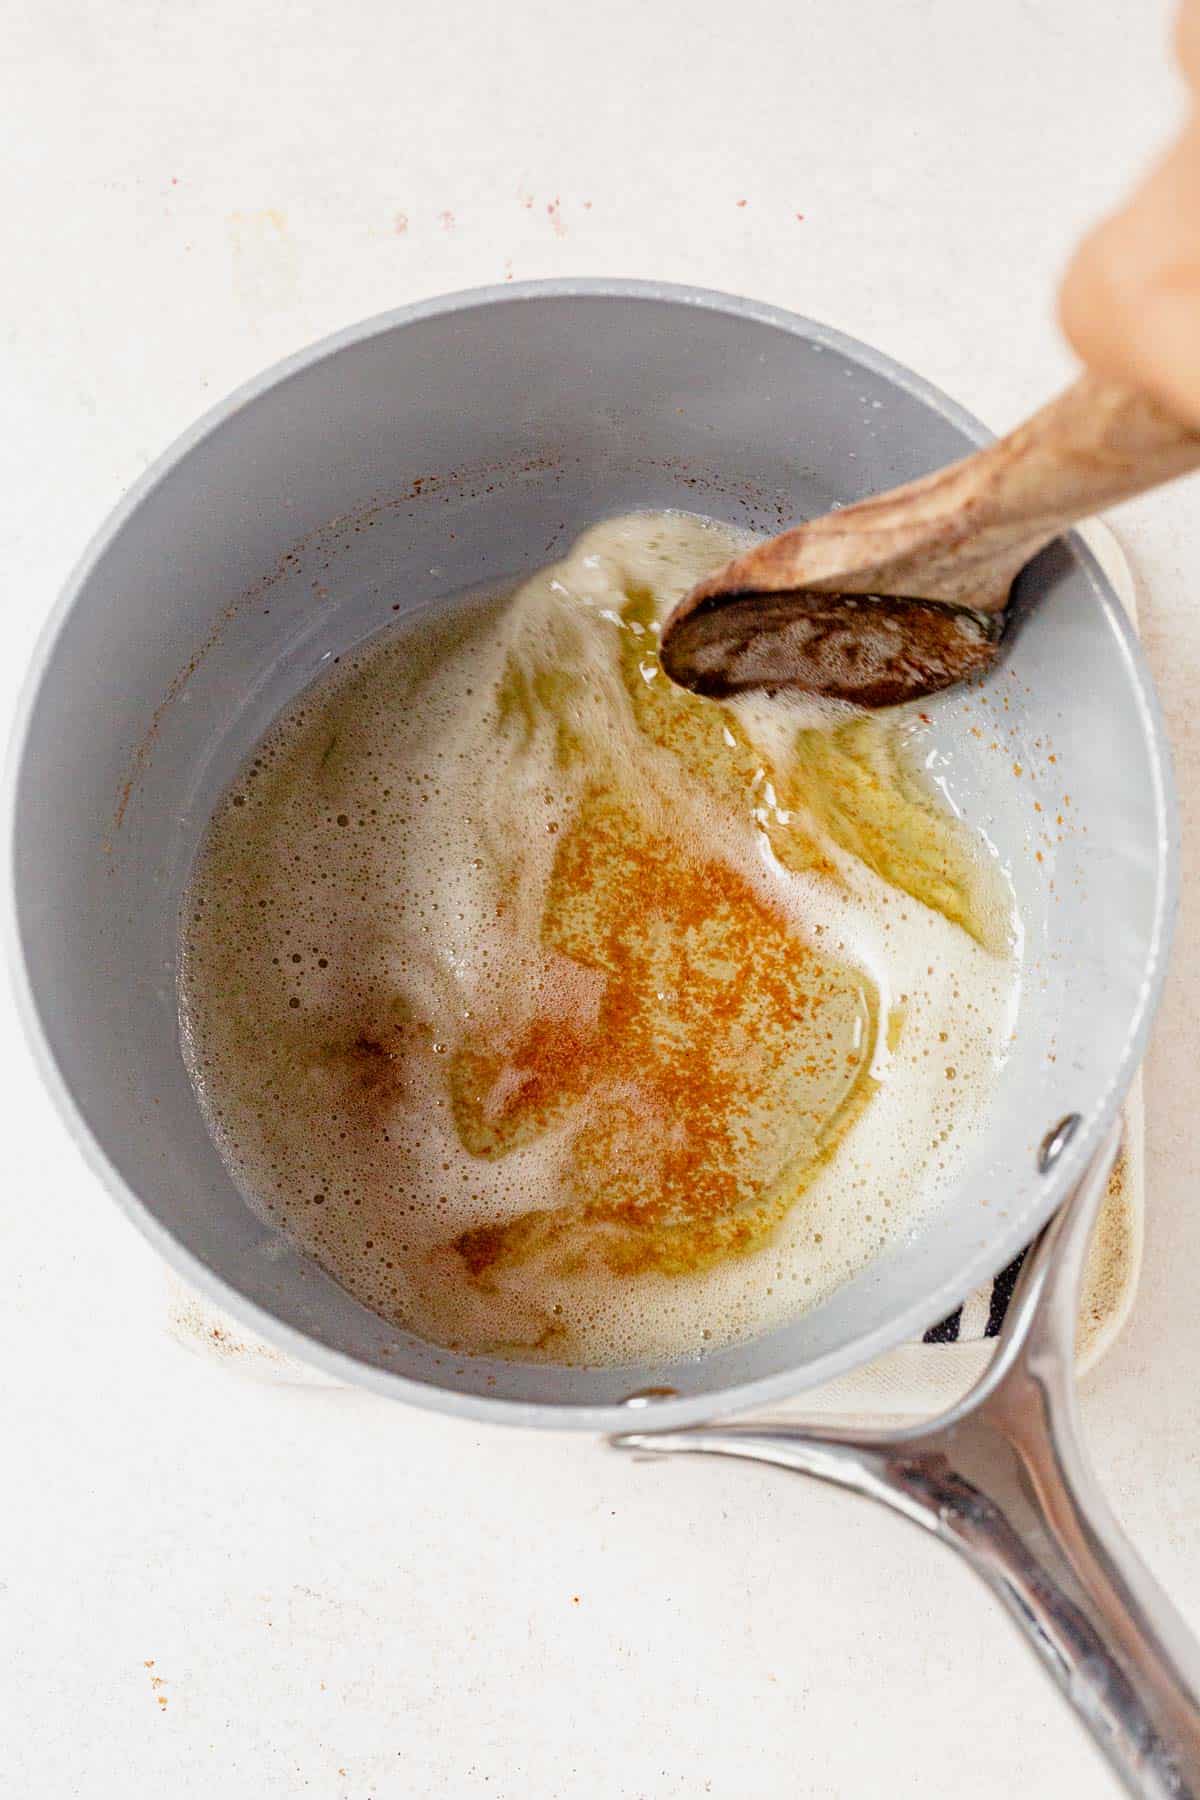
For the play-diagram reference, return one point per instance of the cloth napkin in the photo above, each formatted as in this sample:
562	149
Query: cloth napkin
915	1379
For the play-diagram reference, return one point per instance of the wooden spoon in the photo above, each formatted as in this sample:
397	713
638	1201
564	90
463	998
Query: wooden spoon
897	596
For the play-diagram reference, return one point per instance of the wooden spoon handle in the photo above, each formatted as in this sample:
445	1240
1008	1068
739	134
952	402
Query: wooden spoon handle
962	533
1094	445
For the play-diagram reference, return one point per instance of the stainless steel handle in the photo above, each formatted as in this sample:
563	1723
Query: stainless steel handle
1004	1479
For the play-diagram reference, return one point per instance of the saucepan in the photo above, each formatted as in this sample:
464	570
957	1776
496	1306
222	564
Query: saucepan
466	440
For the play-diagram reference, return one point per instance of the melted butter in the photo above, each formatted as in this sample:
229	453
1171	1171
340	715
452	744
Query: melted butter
858	782
726	1057
562	1013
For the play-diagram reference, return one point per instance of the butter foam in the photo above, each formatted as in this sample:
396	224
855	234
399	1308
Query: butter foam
562	1015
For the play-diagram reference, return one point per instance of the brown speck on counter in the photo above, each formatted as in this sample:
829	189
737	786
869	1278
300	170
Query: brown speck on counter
156	1684
400	224
554	212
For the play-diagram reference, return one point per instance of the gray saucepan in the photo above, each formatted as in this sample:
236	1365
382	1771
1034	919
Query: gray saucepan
468	439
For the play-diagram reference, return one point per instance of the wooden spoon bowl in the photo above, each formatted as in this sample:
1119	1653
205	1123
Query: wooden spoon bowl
873	650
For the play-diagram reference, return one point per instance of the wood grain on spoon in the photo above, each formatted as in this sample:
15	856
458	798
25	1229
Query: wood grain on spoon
904	593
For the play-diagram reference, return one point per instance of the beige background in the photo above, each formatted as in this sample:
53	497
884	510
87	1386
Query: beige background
342	1598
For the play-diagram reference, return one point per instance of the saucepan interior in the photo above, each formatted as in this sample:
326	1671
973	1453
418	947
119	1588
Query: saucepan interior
468	440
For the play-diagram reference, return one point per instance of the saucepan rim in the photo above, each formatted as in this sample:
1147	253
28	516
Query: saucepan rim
686	1409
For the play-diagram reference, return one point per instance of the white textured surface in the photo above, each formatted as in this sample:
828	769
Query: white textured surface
343	1598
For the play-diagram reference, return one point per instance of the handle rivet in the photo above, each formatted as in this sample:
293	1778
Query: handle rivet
1056	1141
